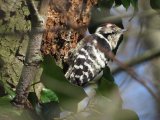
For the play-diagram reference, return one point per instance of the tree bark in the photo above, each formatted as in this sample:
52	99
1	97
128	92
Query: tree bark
66	25
13	41
33	56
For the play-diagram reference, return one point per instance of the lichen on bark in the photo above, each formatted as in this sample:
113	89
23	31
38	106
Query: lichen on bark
13	39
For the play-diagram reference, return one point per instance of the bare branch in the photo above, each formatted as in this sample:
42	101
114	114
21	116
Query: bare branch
133	74
33	57
148	55
70	25
129	70
126	15
44	7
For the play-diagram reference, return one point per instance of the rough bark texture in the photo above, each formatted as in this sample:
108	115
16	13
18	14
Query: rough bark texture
13	40
66	24
33	56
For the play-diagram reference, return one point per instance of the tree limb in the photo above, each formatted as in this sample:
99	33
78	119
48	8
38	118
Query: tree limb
33	57
133	74
148	55
130	71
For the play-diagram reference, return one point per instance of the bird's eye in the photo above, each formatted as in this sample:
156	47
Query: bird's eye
107	34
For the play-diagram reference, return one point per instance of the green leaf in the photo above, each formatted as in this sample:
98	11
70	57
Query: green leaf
11	94
126	3
107	74
109	89
5	100
118	3
53	78
155	4
134	3
10	112
106	84
126	115
50	110
105	3
47	95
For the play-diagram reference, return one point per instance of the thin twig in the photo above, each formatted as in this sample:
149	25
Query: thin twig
35	83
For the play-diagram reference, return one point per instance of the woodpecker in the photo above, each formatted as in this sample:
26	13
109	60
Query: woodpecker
88	59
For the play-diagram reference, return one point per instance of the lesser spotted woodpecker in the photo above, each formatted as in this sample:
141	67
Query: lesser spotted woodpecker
87	60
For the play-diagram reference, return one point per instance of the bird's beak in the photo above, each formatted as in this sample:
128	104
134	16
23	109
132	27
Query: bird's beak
124	30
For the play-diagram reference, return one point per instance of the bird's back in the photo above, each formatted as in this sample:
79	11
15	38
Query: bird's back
87	61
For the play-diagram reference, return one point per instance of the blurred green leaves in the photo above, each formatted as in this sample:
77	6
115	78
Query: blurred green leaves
109	89
60	89
5	89
53	78
125	3
126	115
105	3
134	3
9	112
69	95
155	4
48	95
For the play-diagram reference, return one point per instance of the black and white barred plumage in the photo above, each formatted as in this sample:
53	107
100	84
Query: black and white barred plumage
88	59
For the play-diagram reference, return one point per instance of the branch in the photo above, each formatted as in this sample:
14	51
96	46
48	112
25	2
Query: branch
148	55
133	74
141	15
69	24
129	70
44	7
33	57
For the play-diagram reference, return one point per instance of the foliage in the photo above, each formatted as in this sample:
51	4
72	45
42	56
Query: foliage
53	78
155	4
48	95
15	20
9	112
125	3
107	101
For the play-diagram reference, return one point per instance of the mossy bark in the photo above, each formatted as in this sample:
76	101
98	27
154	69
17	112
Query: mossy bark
13	39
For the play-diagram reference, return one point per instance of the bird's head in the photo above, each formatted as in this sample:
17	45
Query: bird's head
112	33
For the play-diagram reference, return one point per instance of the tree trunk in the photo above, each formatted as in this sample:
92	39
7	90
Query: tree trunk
13	40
